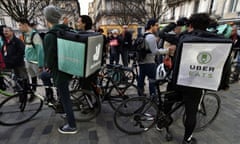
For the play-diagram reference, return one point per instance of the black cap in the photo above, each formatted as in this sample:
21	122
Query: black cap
182	21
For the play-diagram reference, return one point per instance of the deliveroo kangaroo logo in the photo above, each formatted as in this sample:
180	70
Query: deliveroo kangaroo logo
97	53
204	57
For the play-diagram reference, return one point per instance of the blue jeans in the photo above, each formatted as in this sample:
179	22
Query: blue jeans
64	95
148	70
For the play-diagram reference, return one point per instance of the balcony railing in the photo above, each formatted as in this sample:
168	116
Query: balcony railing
175	2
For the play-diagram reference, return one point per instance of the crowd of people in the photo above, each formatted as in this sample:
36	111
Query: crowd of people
34	57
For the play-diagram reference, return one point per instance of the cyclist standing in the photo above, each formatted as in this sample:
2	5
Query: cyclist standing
61	80
198	23
34	57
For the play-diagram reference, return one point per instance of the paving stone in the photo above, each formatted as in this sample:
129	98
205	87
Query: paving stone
43	128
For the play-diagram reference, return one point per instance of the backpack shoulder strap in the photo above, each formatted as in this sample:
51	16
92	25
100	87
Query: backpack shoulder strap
32	36
145	34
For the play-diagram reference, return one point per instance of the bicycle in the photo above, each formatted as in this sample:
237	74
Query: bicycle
8	85
139	114
17	109
113	85
235	66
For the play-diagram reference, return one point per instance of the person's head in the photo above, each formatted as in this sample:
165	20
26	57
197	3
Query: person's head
152	26
8	32
1	30
33	25
181	24
52	15
199	21
84	22
234	30
125	28
115	33
24	25
65	20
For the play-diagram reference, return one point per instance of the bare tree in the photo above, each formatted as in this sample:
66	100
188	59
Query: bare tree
23	8
138	10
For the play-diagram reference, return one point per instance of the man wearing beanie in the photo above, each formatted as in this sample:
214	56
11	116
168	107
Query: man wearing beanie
61	79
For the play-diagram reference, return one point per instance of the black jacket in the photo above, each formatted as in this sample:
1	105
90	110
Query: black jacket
202	36
14	55
126	41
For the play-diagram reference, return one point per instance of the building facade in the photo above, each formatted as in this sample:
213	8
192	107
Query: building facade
225	10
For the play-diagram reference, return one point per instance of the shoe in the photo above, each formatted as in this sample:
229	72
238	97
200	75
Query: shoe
50	102
158	128
66	129
192	141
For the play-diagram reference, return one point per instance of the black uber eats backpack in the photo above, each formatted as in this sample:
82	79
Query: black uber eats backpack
141	48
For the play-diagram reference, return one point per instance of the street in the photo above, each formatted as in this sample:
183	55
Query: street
43	128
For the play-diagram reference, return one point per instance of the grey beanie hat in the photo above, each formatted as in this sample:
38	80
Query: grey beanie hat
52	14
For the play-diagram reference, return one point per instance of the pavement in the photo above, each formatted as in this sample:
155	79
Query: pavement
42	129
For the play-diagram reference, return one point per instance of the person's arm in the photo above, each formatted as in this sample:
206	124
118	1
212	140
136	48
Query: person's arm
50	50
152	44
20	50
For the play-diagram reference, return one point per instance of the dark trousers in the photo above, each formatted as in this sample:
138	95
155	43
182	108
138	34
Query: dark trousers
124	56
191	98
148	70
64	95
114	57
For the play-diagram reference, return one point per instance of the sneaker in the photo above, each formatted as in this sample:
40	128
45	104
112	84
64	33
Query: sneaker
158	128
66	129
51	102
191	141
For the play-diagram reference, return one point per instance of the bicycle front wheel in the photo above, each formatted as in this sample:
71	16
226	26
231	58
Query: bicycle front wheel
86	105
18	109
136	115
207	111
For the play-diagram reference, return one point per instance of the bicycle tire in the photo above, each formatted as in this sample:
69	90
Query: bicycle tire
14	111
207	111
136	115
127	76
86	105
118	93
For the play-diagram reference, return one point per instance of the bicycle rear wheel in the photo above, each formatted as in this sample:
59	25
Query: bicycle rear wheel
86	105
119	93
136	115
207	111
18	109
